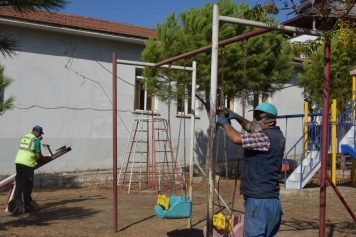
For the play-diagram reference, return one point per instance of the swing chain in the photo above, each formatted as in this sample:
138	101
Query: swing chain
222	88
226	171
171	180
244	92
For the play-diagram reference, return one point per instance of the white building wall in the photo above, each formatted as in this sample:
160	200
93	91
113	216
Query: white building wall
56	77
63	83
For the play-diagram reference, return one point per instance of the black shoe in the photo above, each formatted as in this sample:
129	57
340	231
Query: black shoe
16	207
30	209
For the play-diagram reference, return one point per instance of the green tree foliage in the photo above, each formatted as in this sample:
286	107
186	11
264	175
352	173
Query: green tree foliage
5	81
342	62
268	61
9	45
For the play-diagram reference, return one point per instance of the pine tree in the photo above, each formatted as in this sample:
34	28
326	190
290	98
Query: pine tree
342	62
269	55
268	60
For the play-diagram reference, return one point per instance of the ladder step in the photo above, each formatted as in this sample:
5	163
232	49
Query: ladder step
139	130
159	129
161	140
136	162
138	141
134	172
163	151
136	151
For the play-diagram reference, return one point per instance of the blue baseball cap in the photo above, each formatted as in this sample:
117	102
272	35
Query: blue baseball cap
267	108
38	128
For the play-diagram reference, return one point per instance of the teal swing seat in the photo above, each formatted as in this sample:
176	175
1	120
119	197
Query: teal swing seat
179	207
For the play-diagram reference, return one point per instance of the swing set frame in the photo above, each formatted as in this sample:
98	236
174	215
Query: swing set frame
214	47
115	62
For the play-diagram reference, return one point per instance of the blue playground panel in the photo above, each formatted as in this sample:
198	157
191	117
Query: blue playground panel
179	207
348	150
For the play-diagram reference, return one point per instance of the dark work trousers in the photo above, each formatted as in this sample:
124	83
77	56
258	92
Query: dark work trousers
24	183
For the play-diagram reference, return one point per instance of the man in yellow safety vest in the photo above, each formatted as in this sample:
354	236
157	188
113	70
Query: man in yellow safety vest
28	154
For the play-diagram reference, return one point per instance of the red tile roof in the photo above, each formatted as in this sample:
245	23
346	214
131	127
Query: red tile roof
78	22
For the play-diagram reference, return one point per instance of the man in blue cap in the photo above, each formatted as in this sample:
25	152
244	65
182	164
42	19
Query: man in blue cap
28	154
263	146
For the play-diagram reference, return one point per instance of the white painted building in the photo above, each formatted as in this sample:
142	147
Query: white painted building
63	82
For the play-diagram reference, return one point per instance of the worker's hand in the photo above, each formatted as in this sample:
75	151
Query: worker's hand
222	121
231	115
48	158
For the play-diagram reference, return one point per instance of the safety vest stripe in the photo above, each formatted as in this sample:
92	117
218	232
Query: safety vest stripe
29	146
26	149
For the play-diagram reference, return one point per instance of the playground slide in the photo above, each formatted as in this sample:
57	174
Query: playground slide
348	150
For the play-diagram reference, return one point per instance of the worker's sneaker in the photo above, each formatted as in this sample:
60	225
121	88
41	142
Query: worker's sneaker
33	207
16	207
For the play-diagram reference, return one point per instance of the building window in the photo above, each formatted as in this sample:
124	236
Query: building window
144	102
265	97
259	98
184	105
229	103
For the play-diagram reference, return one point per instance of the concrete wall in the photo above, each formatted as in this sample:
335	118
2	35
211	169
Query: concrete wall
56	77
63	83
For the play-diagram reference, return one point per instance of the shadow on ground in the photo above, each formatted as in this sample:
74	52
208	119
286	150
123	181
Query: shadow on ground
49	212
186	232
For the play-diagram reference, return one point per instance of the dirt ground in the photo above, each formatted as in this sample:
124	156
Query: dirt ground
88	212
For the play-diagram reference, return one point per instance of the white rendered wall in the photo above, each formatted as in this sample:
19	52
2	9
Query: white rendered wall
58	75
57	96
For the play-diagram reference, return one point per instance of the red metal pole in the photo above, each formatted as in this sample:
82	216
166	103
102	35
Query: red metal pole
114	140
221	43
324	139
341	198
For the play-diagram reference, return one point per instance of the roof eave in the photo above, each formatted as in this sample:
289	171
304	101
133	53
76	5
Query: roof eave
73	31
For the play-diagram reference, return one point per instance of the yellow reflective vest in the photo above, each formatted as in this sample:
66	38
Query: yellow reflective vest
26	154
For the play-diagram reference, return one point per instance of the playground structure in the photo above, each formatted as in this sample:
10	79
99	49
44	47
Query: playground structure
213	88
306	153
114	127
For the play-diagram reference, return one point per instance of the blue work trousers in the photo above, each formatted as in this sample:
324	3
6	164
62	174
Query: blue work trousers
262	217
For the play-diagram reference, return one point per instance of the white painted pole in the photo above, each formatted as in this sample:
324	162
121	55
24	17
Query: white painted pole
270	26
144	64
192	136
213	89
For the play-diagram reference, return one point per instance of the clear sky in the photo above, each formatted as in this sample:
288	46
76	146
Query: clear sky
142	12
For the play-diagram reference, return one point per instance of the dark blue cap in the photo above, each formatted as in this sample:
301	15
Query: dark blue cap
38	128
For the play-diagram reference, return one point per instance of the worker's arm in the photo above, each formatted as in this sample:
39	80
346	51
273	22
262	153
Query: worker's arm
39	157
233	134
245	124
